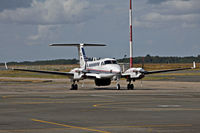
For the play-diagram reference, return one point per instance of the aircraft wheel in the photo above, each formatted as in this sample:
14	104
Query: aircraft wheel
128	87
131	87
118	86
74	87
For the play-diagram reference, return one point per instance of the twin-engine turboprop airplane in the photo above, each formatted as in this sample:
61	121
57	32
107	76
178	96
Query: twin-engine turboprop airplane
102	71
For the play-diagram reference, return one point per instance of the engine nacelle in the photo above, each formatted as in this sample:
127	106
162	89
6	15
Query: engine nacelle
102	82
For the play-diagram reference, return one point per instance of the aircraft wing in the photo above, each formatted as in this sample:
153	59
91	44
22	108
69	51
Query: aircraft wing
46	72
170	70
163	71
139	73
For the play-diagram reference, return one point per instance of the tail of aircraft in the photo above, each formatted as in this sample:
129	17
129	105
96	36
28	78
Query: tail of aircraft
81	51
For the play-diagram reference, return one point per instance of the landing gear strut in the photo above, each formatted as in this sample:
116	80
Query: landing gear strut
74	86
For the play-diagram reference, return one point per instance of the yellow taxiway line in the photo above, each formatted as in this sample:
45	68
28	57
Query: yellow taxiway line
69	126
148	126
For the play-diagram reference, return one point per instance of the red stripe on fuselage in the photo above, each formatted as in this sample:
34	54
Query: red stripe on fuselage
102	70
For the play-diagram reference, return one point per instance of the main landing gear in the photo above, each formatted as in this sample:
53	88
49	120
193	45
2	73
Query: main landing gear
130	86
74	86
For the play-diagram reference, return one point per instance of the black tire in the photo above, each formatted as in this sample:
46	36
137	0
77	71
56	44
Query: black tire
128	87
118	86
72	87
75	87
132	87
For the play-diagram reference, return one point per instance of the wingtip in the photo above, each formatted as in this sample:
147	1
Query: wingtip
194	65
6	66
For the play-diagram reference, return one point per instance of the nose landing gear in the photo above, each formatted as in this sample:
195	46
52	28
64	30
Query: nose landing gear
118	86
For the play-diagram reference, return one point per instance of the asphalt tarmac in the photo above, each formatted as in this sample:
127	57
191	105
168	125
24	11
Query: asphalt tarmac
49	107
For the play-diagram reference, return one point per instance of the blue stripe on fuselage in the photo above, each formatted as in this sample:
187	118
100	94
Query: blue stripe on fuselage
84	55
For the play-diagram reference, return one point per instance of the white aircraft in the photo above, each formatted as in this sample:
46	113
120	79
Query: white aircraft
103	71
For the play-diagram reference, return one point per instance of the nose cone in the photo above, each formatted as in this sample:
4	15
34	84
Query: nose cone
116	69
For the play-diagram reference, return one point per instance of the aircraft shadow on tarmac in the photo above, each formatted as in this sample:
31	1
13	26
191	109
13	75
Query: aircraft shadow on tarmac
104	88
123	89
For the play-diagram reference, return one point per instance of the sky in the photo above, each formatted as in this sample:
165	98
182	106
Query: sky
161	28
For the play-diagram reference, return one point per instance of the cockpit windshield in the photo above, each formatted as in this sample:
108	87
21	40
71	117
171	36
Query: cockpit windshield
114	62
110	62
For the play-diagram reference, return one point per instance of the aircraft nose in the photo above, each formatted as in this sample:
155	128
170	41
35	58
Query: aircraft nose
117	69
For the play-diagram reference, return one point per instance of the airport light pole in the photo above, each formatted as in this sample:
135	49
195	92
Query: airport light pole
131	35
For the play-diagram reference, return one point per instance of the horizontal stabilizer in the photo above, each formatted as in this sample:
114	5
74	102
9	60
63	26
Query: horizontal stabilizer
77	45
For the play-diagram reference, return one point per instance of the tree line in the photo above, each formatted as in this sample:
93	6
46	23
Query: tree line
136	60
158	59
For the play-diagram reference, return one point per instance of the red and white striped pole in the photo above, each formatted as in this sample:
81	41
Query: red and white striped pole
131	35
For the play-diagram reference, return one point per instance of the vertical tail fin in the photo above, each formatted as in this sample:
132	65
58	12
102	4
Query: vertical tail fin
82	56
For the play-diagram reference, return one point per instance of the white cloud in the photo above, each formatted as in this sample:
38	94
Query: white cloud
165	17
173	13
44	32
49	15
49	12
182	5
